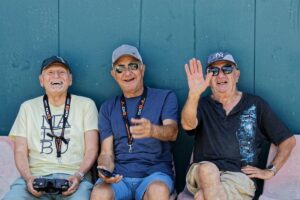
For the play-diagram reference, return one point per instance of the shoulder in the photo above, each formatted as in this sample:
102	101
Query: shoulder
81	99
254	99
32	102
160	92
109	104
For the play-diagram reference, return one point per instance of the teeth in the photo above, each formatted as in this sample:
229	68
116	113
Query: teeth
56	83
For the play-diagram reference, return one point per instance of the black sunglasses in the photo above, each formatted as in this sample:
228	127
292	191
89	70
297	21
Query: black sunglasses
121	68
226	69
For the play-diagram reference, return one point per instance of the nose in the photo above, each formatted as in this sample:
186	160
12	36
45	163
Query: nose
56	74
221	73
127	71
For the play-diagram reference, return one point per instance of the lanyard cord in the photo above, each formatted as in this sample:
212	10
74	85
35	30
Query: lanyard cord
138	115
58	139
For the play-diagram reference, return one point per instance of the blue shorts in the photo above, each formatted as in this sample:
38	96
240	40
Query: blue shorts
134	188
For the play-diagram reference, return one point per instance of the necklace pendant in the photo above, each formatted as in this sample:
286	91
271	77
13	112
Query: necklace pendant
130	148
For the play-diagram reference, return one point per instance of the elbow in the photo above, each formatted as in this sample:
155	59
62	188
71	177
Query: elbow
186	126
293	142
174	138
289	143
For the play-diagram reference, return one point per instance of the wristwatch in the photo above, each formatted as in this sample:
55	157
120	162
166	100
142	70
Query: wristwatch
80	175
272	168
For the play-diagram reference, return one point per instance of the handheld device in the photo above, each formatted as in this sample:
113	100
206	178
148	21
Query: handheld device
51	186
106	173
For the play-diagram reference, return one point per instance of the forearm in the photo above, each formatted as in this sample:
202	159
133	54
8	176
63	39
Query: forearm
189	112
284	150
165	132
22	165
89	159
21	157
106	160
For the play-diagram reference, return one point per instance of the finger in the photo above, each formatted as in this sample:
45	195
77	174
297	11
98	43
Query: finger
138	129
139	136
199	68
101	176
192	65
114	179
119	178
187	71
136	121
208	78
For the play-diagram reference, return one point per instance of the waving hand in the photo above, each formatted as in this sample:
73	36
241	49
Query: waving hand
197	83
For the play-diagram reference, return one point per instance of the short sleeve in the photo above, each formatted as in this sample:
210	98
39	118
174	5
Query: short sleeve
19	127
104	124
91	117
170	107
271	126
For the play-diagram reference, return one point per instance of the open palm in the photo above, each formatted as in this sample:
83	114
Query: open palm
197	83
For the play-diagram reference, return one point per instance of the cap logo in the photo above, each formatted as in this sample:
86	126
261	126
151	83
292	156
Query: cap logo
219	55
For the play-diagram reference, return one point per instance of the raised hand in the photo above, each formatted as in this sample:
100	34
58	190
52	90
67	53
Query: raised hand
197	83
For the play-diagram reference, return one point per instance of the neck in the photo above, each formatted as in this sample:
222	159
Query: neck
227	99
132	94
57	99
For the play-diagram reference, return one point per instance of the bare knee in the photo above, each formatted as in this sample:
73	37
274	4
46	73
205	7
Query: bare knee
157	190
102	191
207	170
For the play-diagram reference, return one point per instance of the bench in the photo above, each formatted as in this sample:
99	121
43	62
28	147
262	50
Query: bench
284	186
286	183
9	172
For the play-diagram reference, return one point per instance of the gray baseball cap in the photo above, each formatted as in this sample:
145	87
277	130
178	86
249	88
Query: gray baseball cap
220	56
128	50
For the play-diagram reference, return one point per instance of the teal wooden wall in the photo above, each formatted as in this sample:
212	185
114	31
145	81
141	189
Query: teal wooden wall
264	36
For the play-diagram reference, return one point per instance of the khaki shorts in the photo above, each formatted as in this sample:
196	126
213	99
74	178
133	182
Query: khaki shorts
237	185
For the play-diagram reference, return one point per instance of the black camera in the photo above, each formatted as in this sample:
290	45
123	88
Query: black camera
51	186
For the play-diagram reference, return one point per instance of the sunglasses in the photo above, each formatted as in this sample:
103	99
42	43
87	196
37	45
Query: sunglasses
226	69
121	68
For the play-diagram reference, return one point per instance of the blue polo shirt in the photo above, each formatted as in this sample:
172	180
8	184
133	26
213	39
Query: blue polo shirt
149	155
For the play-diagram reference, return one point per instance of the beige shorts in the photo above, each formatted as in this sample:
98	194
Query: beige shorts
237	185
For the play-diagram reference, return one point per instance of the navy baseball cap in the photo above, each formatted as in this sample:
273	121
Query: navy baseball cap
55	59
220	56
128	50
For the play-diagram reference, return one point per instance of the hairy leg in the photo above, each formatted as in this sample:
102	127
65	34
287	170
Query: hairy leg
157	190
208	178
102	191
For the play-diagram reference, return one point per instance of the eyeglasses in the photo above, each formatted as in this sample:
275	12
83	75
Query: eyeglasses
226	69
121	68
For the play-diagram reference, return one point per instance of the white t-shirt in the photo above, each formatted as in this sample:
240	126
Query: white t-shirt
32	124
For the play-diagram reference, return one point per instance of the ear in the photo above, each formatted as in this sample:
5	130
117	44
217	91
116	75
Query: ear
71	80
237	75
41	80
113	74
143	68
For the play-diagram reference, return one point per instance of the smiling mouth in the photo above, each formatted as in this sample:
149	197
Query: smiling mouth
129	80
57	83
222	82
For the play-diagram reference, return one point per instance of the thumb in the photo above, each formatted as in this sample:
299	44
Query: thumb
208	78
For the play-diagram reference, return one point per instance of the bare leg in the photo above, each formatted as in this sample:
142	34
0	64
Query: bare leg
208	178
157	190
199	195
102	192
